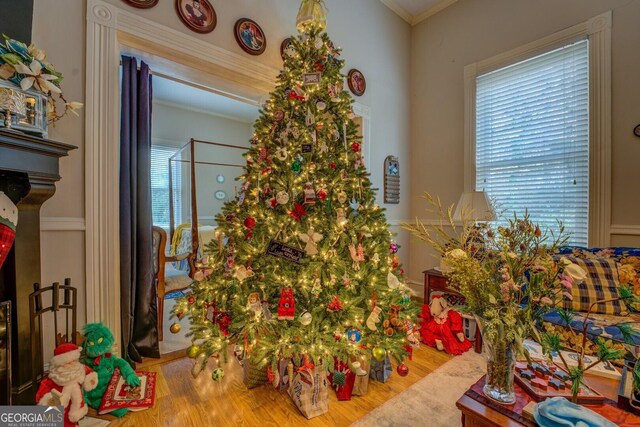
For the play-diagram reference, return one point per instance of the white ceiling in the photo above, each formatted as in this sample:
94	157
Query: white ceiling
415	11
171	92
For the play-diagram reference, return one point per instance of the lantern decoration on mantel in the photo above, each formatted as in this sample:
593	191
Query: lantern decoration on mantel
8	223
312	12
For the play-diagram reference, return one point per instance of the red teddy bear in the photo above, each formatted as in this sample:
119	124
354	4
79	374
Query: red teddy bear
287	305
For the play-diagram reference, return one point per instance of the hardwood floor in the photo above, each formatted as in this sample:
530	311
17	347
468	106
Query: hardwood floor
182	400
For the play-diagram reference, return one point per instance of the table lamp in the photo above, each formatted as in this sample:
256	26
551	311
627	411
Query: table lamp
474	205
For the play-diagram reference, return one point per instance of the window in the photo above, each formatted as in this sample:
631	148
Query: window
538	129
160	185
532	138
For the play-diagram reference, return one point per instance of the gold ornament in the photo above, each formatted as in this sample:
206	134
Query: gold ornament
311	13
193	351
379	353
175	328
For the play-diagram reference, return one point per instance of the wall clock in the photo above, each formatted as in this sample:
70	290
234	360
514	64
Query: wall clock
198	15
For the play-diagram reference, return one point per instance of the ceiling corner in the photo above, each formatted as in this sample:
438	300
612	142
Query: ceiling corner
399	10
438	7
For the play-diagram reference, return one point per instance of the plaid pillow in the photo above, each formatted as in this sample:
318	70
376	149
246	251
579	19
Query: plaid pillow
601	283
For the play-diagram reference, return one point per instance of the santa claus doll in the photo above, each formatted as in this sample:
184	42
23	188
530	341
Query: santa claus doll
67	380
441	327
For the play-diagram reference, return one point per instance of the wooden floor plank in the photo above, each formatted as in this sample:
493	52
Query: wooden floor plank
186	401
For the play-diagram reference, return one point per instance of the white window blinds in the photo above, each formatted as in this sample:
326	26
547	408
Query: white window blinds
532	138
160	185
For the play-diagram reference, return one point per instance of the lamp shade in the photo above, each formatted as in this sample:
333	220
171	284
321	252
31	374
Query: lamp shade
474	205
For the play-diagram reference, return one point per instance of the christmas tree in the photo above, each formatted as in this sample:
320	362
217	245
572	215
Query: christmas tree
303	263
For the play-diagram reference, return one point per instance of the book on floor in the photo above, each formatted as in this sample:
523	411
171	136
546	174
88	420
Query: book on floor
120	395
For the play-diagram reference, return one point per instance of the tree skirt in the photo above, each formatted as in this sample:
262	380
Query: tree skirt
420	405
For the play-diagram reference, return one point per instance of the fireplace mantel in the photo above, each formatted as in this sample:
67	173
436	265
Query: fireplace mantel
29	169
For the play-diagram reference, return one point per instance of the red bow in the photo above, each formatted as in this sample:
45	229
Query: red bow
96	361
298	211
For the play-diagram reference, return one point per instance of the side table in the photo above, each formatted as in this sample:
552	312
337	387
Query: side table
435	280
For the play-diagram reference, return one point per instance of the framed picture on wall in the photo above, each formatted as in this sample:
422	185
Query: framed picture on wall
356	82
250	36
141	4
197	15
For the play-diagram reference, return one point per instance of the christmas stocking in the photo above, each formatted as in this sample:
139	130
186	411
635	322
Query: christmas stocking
374	318
8	222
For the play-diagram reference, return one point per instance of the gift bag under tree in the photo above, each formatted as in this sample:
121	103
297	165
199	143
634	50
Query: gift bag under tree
309	391
360	366
381	370
280	379
342	379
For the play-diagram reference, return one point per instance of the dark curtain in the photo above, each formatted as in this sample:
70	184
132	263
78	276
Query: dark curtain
138	296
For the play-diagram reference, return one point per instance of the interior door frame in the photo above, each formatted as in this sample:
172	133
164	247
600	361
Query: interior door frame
112	31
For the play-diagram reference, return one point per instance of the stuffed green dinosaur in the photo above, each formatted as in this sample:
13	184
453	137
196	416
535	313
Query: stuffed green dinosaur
97	348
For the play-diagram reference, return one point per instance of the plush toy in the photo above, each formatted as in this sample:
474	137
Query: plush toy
441	327
97	347
67	380
393	323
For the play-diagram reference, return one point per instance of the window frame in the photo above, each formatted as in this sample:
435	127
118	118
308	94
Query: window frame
176	177
598	31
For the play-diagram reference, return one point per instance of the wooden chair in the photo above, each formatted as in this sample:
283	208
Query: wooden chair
69	307
167	280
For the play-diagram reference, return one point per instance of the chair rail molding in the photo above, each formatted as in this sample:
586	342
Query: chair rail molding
62	224
112	31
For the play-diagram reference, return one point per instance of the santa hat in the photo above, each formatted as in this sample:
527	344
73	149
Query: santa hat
65	353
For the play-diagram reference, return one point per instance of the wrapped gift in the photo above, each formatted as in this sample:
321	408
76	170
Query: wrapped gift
309	391
360	366
252	376
381	370
342	379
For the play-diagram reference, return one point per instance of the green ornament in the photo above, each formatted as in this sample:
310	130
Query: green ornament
379	353
193	351
217	374
296	166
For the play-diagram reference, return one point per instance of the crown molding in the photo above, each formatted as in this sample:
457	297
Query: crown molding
436	8
416	19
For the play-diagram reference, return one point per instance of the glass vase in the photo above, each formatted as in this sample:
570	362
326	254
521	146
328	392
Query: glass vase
501	362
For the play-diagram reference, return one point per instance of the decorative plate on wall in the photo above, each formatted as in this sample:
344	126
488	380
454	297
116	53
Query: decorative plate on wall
141	4
198	15
283	46
250	36
356	82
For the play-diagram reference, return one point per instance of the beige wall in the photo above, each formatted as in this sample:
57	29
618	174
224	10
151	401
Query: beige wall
374	40
473	30
175	125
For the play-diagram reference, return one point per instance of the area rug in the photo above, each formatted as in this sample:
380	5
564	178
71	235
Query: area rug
432	400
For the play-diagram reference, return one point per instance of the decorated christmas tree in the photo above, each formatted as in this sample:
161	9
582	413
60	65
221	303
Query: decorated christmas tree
303	263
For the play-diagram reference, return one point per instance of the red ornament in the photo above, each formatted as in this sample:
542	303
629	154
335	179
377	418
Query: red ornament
191	300
355	147
318	66
180	314
286	305
322	194
250	222
333	165
249	235
298	211
402	370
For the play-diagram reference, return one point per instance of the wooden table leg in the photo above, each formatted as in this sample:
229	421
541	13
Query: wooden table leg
477	346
